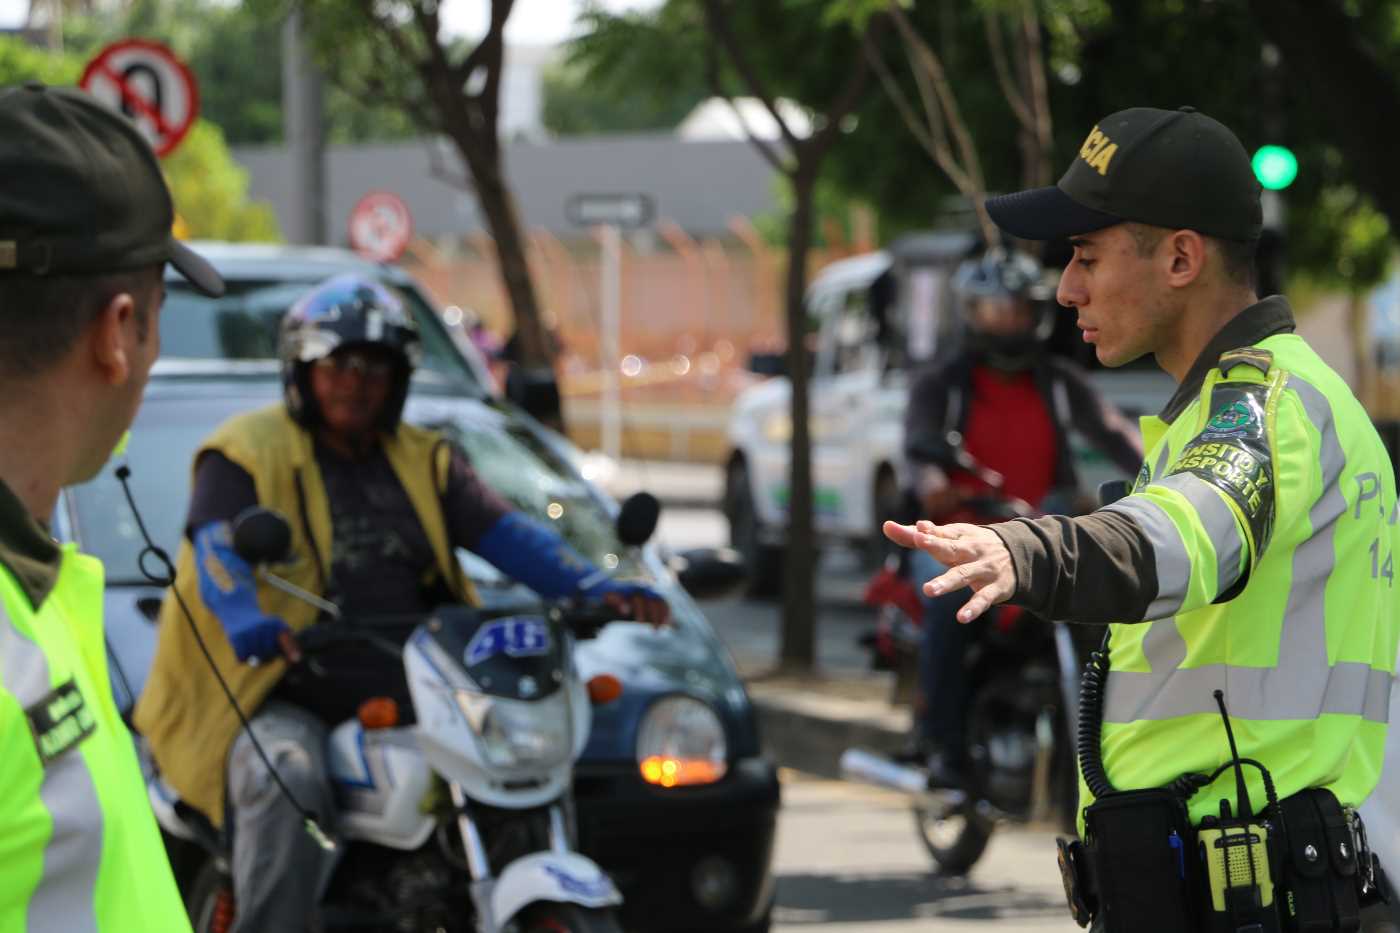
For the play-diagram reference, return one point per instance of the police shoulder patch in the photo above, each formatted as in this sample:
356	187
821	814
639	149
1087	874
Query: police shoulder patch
1232	453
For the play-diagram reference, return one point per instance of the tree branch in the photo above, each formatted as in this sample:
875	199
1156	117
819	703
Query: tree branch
941	155
849	95
921	55
721	28
712	78
997	44
1039	92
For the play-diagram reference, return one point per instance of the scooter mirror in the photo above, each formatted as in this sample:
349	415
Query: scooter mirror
636	522
261	536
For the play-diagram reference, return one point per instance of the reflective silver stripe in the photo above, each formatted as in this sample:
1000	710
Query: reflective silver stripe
1257	693
63	901
1296	688
1169	554
1219	521
1162	460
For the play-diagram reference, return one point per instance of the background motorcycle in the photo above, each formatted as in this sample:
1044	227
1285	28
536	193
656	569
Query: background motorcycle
1023	679
462	820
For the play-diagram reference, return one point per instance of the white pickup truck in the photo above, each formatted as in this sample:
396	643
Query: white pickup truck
869	339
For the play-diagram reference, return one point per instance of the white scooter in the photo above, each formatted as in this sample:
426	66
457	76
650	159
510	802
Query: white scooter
501	716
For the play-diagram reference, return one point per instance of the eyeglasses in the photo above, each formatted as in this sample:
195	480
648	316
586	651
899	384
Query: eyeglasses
370	367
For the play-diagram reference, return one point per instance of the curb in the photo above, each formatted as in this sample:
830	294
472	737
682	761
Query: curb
808	731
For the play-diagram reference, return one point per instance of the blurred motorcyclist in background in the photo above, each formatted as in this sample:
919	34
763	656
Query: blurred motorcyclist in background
1004	399
376	508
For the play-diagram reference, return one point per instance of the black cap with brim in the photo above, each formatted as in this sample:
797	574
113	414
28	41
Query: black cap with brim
196	269
1046	214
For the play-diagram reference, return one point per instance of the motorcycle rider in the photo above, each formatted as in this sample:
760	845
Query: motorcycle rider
1011	404
376	508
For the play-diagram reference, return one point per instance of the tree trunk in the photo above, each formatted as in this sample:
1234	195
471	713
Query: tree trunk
799	603
537	348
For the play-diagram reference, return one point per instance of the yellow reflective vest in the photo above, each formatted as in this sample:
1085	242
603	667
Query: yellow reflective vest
79	847
1270	504
184	715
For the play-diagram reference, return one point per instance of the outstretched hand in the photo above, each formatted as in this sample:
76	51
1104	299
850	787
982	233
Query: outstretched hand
975	557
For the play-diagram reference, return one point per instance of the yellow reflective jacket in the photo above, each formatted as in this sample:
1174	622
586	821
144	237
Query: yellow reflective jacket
79	846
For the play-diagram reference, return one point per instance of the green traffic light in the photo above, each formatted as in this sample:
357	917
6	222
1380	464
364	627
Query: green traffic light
1275	167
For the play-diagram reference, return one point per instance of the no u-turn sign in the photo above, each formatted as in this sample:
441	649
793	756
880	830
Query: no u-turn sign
144	80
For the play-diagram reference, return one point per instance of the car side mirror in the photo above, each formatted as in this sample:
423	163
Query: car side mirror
262	536
636	522
709	573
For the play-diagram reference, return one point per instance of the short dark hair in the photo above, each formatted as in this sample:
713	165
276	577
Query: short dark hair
42	316
1236	256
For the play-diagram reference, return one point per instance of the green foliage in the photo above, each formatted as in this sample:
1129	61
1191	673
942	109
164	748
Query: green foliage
235	53
20	61
575	105
211	191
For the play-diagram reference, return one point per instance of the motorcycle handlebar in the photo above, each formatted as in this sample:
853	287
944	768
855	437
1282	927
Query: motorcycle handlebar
583	617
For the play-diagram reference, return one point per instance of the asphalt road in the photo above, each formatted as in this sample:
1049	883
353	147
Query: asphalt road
848	860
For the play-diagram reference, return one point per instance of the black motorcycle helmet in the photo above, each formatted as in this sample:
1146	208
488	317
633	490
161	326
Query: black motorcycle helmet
345	311
1004	303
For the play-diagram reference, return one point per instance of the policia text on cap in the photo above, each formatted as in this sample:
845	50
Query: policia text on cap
85	220
1249	568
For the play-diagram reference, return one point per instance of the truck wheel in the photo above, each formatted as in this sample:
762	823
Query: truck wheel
885	504
764	562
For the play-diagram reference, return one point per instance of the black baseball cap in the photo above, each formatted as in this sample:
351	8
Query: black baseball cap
1177	169
83	192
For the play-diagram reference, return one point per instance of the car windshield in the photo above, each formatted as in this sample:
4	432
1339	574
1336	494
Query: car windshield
513	461
168	430
243	325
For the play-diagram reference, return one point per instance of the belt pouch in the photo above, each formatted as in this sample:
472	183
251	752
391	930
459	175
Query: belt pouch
1320	865
1142	848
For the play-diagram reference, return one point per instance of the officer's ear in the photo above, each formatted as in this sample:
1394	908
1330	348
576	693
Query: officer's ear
1186	253
110	338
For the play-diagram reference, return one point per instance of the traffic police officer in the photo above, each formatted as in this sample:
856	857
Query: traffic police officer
85	231
1255	553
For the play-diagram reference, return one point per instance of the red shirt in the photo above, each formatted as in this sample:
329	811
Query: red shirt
1010	430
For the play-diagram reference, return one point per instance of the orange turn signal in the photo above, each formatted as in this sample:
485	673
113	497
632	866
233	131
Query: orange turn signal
379	713
679	772
603	689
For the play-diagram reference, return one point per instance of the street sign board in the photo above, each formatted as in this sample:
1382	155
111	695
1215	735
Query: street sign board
145	81
617	210
380	226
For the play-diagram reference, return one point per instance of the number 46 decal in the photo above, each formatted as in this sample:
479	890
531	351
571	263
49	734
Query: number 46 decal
518	636
1379	569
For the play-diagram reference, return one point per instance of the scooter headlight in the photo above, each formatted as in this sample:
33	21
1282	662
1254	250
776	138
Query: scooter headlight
681	742
515	734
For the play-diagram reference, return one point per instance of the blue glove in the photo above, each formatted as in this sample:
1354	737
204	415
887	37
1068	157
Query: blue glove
533	554
228	588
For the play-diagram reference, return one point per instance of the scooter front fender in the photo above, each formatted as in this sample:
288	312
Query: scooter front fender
562	877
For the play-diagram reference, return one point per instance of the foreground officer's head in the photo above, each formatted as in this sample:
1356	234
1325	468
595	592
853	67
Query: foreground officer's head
85	233
1163	211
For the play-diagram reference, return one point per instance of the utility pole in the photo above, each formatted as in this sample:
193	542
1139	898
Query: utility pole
303	128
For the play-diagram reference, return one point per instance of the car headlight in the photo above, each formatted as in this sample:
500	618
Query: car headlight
681	742
516	734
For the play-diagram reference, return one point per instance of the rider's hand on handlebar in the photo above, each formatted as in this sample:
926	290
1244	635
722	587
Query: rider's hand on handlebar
975	555
637	602
287	641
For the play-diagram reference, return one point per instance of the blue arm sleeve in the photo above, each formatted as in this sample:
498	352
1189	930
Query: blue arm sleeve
227	587
534	555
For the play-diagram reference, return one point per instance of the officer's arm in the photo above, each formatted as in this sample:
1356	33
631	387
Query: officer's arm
1187	539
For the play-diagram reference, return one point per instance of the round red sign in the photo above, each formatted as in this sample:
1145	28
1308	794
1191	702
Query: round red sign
145	81
380	226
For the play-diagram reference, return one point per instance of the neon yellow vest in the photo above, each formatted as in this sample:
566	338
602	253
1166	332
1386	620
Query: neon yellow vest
182	712
79	846
1305	649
